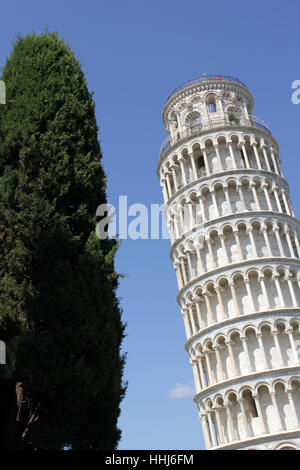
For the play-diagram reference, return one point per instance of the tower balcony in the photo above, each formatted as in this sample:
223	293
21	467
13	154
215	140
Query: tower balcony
199	127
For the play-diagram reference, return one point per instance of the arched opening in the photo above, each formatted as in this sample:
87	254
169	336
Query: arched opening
211	103
255	354
252	423
193	122
284	408
233	119
201	166
236	415
233	116
287	448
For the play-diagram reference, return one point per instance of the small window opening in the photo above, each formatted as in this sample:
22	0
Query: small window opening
211	103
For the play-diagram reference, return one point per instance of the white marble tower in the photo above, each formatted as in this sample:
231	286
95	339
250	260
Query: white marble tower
235	249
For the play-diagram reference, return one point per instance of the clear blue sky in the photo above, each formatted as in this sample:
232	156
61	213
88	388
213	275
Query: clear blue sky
134	53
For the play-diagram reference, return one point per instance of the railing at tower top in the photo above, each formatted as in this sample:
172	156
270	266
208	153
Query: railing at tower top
207	78
199	127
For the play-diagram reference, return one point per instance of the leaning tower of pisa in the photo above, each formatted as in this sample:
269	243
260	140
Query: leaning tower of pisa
235	249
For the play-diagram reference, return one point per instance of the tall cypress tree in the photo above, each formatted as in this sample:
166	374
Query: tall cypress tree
59	314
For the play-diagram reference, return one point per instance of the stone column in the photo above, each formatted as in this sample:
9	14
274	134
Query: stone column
278	239
183	174
293	345
218	290
250	233
244	341
264	290
231	355
292	292
256	398
183	269
173	169
191	314
209	311
212	258
278	288
199	258
233	293
240	190
229	144
196	377
195	172
253	187
202	375
169	184
238	243
217	410
262	348
191	215
275	191
293	407
186	323
211	427
245	155
192	274
267	196
181	218
274	333
276	410
202	208
290	205
222	238
249	294
266	238
286	204
176	227
246	427
230	423
274	161
216	146
297	243
197	303
230	211
254	145
170	225
206	353
219	363
289	241
213	196
266	157
246	111
205	431
164	190
178	274
204	153
179	123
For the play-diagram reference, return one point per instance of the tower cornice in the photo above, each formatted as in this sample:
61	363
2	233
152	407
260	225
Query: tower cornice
213	85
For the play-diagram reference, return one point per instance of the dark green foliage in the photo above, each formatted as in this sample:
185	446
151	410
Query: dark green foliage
59	313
